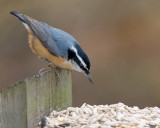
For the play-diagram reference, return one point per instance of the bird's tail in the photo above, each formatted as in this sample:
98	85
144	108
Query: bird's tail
24	20
19	16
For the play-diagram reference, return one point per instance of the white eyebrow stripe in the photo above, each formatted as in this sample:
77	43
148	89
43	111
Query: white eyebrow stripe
75	50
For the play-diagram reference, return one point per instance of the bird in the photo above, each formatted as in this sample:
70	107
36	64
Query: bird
55	45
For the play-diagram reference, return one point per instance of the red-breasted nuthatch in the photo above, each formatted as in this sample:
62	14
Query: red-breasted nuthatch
55	45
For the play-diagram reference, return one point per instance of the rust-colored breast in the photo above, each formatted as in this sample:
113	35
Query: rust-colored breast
37	47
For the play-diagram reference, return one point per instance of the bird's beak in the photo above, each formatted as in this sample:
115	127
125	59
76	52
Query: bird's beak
90	78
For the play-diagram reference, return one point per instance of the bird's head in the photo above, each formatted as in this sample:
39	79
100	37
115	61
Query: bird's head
79	60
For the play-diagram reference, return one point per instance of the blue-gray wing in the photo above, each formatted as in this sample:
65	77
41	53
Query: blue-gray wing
55	40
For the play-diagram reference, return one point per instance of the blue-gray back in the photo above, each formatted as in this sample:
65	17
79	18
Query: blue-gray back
55	40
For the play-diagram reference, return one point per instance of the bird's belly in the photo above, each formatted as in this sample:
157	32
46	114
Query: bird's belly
37	47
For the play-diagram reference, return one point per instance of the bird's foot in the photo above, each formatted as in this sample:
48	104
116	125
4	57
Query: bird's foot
46	69
50	68
56	69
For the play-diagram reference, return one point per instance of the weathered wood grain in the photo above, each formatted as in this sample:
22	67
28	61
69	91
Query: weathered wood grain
23	104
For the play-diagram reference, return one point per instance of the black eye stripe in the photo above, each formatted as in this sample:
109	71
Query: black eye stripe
84	69
81	65
83	56
72	55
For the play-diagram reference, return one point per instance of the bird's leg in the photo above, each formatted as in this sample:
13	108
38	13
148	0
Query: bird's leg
46	69
56	70
50	68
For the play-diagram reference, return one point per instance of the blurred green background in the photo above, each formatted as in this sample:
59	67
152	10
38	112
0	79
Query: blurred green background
121	38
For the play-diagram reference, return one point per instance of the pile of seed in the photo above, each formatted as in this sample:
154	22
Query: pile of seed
103	116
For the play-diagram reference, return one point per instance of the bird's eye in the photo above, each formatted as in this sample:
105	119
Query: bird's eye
83	68
81	65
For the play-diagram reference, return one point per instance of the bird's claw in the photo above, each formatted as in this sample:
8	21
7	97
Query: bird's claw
46	69
56	69
50	68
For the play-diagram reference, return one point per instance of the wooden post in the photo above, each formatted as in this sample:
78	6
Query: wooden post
23	104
